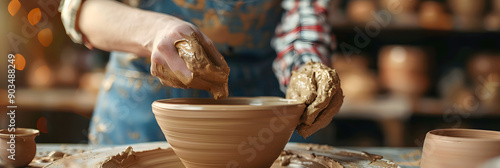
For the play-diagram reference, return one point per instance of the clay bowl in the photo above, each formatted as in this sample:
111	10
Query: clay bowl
459	148
21	143
232	132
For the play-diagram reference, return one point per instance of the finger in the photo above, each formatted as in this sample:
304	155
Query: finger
163	72
212	53
325	116
313	84
325	80
175	63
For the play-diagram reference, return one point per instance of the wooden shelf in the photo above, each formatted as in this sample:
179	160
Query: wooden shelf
63	100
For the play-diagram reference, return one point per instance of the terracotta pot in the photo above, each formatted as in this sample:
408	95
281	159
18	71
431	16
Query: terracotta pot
459	148
433	16
404	58
464	22
482	65
404	70
231	132
496	5
360	11
467	7
406	6
18	144
492	21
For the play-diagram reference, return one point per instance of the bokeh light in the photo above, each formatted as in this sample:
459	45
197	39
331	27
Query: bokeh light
41	125
45	37
34	16
14	6
20	62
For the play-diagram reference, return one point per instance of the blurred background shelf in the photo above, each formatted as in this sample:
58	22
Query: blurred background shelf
63	100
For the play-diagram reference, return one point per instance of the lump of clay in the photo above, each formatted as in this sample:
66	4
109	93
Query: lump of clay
209	70
318	86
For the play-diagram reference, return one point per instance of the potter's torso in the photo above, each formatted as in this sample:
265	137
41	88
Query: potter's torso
239	28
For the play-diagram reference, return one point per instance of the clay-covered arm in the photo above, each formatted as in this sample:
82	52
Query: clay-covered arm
302	36
303	43
318	86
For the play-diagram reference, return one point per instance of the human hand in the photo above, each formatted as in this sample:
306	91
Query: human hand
318	86
183	57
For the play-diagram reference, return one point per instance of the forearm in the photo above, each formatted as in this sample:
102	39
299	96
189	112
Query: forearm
302	36
110	25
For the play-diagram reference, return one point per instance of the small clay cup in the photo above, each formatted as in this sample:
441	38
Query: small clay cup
22	142
231	132
459	148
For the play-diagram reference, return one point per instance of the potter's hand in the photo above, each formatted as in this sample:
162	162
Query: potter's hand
183	57
318	86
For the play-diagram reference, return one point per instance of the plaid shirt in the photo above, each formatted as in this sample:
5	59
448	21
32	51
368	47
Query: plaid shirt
302	36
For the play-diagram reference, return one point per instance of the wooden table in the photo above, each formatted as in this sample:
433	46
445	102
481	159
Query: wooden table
405	157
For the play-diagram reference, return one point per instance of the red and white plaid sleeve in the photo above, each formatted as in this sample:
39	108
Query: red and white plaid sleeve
302	35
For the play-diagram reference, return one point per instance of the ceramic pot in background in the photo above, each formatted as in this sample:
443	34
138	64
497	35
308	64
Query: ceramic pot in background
467	14
358	81
433	16
336	16
230	132
492	21
483	64
459	148
467	7
462	22
404	70
360	11
23	144
495	5
407	6
484	71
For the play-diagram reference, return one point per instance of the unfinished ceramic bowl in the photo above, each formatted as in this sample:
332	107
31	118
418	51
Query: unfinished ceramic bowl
17	146
459	148
231	132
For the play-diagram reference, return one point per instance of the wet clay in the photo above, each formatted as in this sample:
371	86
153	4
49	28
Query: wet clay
149	158
126	157
318	86
301	155
368	156
208	68
297	158
52	156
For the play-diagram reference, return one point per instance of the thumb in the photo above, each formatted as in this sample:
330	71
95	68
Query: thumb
175	63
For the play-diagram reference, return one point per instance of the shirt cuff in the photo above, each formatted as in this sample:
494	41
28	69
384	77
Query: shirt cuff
69	12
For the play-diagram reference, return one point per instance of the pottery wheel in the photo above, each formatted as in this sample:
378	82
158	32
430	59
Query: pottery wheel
160	154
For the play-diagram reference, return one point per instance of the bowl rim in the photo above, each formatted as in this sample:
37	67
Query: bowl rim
173	105
433	135
4	133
